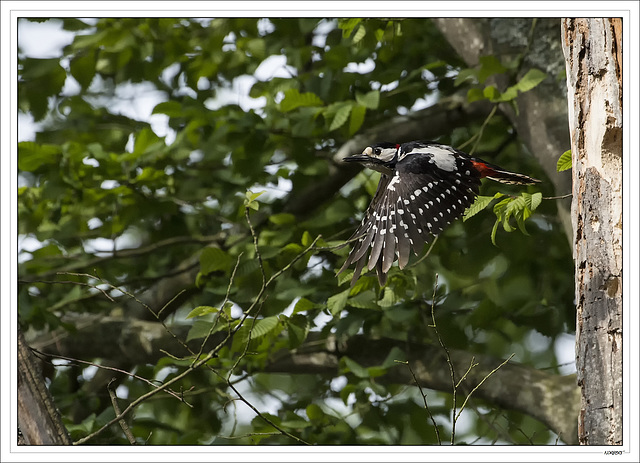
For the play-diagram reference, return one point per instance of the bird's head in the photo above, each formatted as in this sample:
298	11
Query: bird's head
381	157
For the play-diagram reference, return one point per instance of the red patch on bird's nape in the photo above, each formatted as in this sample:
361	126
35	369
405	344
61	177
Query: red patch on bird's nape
484	169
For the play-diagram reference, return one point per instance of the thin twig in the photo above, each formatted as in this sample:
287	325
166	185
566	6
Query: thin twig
116	408
78	283
221	311
569	195
424	399
258	301
478	135
448	356
251	434
76	259
255	245
492	425
480	384
433	243
146	306
144	397
264	418
104	367
472	364
170	302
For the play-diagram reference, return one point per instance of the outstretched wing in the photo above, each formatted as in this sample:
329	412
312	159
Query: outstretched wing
425	194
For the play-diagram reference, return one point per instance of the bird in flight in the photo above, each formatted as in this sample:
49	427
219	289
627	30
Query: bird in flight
424	187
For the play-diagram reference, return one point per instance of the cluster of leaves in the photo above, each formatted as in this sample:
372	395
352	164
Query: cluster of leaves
161	213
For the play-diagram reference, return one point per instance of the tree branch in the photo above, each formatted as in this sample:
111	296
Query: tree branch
554	400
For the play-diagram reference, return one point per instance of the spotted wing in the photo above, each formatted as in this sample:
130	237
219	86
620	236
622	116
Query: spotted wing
368	236
419	200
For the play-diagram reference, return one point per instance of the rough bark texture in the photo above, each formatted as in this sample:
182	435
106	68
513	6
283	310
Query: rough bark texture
593	54
38	418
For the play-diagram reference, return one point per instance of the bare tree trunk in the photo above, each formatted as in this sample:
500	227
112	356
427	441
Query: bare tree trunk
38	418
592	48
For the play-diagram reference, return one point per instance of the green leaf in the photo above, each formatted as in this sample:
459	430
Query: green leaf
341	115
475	94
369	100
283	218
264	326
314	412
32	155
361	31
489	66
83	68
348	25
169	108
306	239
491	93
479	204
250	199
494	230
257	47
145	140
530	80
303	305
509	94
364	300
345	276
199	330
354	367
213	259
294	99
357	118
464	75
536	200
395	355
564	162
202	310
39	80
298	327
337	302
515	205
389	297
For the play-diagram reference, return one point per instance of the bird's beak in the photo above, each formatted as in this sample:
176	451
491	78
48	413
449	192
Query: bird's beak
357	158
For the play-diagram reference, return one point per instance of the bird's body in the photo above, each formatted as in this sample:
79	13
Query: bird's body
424	186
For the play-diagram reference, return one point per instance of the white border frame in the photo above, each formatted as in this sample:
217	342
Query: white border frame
11	10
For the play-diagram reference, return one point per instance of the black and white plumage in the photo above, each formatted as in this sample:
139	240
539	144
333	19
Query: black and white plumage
424	187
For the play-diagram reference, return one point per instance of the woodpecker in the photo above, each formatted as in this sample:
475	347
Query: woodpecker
424	187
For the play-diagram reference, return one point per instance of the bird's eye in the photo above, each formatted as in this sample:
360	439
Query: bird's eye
377	151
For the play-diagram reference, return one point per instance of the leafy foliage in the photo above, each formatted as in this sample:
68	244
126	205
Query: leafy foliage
564	161
180	215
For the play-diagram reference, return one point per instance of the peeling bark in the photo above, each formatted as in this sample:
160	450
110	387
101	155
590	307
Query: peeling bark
593	54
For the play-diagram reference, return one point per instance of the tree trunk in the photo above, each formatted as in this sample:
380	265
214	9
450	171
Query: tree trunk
38	418
592	49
